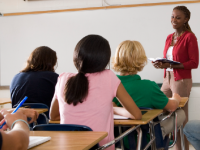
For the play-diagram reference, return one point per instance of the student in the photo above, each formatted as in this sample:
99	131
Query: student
18	137
130	58
192	132
38	79
85	98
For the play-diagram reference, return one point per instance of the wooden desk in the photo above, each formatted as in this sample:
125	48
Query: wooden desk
5	101
183	102
148	116
39	110
69	140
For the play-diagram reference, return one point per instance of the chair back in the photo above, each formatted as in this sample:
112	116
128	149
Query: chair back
61	127
44	117
37	105
141	108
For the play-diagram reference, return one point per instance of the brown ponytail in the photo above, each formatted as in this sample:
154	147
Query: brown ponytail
92	54
76	89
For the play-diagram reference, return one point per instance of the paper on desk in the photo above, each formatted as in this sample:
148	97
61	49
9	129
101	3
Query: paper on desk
119	117
36	140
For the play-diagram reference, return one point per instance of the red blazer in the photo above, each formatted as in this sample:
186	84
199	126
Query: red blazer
186	52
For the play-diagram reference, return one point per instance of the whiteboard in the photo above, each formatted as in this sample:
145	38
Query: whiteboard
20	35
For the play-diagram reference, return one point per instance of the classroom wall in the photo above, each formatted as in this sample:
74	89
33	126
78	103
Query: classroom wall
12	6
20	35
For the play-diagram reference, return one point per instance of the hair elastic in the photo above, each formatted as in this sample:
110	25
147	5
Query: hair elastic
17	121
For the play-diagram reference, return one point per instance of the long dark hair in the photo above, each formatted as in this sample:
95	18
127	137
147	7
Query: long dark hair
91	54
42	58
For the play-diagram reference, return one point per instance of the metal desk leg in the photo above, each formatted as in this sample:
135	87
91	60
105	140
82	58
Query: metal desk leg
139	141
182	138
175	130
152	135
121	141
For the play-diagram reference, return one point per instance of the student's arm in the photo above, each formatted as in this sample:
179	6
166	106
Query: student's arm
114	105
18	137
54	113
173	103
30	113
130	109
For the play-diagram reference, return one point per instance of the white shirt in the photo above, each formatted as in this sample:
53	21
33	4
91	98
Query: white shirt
169	56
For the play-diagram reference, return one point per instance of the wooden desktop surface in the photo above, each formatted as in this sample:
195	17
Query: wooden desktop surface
148	116
39	110
5	101
69	140
183	102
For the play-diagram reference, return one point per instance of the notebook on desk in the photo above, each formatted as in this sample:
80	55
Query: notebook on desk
118	117
37	140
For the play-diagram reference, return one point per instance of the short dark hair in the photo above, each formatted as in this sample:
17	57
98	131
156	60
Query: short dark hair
42	58
91	54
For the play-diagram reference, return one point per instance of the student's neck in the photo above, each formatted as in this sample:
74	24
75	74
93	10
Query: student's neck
125	74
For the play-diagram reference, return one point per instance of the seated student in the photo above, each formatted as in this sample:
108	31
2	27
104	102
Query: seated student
85	98
130	58
37	80
192	132
18	137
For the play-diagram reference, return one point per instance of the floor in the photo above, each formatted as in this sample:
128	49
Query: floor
6	94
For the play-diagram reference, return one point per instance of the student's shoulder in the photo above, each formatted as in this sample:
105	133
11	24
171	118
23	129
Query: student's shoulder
108	72
48	73
190	36
66	75
19	75
149	82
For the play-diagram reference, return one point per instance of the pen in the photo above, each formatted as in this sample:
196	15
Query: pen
20	104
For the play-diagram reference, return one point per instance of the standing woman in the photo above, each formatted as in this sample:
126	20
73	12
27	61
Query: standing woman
180	46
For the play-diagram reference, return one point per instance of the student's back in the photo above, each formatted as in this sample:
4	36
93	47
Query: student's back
38	79
96	111
145	93
38	86
130	58
85	98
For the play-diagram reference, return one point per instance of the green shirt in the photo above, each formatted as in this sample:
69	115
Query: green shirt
145	93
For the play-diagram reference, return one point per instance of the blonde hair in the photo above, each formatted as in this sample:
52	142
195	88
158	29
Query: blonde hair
129	58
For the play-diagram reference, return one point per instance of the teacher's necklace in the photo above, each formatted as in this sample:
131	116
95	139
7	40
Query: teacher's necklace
176	38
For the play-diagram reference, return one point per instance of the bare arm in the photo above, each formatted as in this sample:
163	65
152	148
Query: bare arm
173	103
18	137
122	112
54	113
128	103
31	113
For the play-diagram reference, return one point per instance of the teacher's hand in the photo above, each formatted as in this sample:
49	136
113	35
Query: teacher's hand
160	65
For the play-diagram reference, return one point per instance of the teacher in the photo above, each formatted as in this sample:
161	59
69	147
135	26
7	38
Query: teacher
180	46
